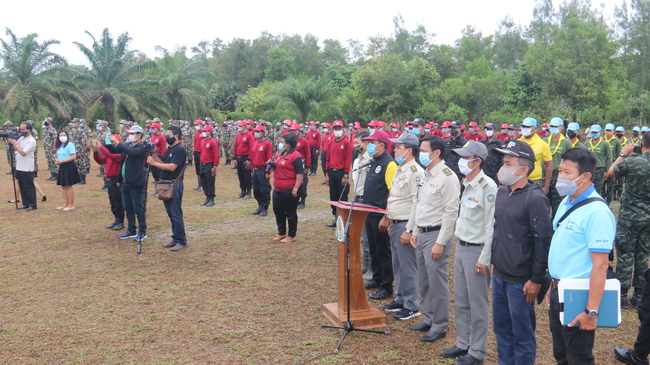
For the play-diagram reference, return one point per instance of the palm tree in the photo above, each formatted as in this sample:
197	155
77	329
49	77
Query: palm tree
305	97
28	75
184	84
114	80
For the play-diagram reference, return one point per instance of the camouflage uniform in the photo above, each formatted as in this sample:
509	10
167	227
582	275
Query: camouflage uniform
229	143
125	127
101	138
610	184
633	226
188	136
35	135
557	149
10	125
49	137
80	139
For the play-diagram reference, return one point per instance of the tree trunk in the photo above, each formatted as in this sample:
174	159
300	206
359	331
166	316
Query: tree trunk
109	105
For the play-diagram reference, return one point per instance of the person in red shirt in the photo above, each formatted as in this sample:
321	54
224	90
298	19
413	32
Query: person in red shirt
260	153
472	134
243	143
326	137
339	159
314	140
196	152
394	132
158	139
544	132
302	146
445	130
504	132
435	131
287	125
113	162
209	162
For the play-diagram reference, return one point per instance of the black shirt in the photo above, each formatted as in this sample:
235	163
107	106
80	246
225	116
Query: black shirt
176	155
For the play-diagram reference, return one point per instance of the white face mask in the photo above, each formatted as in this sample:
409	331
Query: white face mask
258	135
507	175
325	130
338	134
526	131
132	138
204	134
63	139
489	132
462	166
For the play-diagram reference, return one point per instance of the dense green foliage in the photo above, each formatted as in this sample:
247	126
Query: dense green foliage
567	62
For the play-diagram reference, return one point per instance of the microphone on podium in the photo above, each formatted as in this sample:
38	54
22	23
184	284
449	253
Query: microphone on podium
370	162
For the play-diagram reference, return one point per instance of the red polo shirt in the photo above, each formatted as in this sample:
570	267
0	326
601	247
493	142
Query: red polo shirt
339	154
302	146
210	151
314	139
260	153
243	144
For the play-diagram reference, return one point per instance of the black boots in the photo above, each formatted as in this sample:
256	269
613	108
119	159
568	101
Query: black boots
198	186
301	204
248	194
242	193
53	176
83	179
264	211
205	202
210	202
258	210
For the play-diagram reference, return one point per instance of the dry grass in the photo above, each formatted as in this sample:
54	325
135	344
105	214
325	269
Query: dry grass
73	293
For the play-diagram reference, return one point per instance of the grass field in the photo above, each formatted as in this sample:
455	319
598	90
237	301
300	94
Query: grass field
73	293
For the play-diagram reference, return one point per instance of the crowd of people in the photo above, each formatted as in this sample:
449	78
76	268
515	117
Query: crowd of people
509	201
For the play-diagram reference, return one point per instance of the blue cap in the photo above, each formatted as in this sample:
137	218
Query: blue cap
636	129
556	122
644	128
573	126
596	128
610	127
529	122
620	128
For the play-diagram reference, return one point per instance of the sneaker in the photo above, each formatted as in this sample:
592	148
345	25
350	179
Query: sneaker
126	235
140	236
392	306
404	314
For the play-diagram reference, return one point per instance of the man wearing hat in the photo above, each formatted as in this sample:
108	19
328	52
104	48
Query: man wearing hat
358	180
636	136
620	181
521	239
196	151
543	158
49	138
401	206
393	133
644	129
572	134
456	140
492	162
615	143
337	167
243	143
418	127
302	146
80	137
261	152
326	137
435	131
314	141
445	130
512	133
435	216
113	178
472	134
379	178
208	164
544	132
504	132
603	151
558	145
474	230
372	127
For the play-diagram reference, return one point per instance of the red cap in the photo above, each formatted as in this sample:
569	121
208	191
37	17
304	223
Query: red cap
435	124
337	123
463	126
326	125
373	123
259	127
207	128
242	123
382	123
504	126
379	136
472	124
544	124
446	124
198	122
117	136
357	125
312	123
155	125
295	127
409	124
394	125
251	122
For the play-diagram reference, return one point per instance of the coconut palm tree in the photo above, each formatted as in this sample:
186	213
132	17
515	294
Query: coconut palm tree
304	96
184	83
28	77
115	79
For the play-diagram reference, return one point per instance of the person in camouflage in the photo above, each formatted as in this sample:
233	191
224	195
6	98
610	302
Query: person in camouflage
603	151
229	142
79	137
49	137
610	184
633	226
124	126
8	124
188	140
146	136
103	131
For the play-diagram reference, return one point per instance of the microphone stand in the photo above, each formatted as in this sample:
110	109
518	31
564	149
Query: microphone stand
349	325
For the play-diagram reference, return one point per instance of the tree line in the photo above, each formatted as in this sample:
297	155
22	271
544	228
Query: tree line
567	62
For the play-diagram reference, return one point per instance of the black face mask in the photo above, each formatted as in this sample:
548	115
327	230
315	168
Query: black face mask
572	135
454	132
358	150
24	133
619	135
635	134
170	140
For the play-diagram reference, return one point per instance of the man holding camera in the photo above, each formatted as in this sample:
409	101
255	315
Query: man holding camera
24	149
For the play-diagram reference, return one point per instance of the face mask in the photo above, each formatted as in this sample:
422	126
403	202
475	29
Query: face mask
572	134
595	135
257	134
371	131
472	129
286	126
63	139
280	146
338	134
489	132
566	187
132	138
371	149
454	132
241	128
81	125
197	127
619	135
424	158
152	130
358	150
24	133
507	175
416	131
503	131
635	134
555	131
512	133
526	131
325	130
400	159
98	127
204	134
394	129
170	140
445	130
462	166
427	130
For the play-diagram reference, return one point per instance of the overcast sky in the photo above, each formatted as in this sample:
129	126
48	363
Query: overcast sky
187	22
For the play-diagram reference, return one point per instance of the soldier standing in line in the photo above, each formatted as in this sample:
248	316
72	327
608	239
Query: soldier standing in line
80	139
124	126
456	140
49	137
620	181
572	134
8	124
636	136
187	140
610	184
260	153
558	145
231	133
604	153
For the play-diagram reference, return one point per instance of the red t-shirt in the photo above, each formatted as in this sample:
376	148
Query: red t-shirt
326	139
339	155
313	137
286	168
260	153
160	142
477	137
210	151
243	144
198	137
502	136
302	146
437	132
113	161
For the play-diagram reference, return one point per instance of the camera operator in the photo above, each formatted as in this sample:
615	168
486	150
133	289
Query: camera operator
171	168
24	154
134	174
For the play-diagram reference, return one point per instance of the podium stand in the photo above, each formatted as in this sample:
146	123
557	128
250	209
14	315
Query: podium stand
362	313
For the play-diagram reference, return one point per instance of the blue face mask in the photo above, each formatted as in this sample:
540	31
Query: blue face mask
371	149
595	135
453	132
400	160
424	158
427	130
416	131
280	146
555	130
394	129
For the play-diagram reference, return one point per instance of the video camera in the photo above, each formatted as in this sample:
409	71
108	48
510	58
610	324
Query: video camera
9	132
269	166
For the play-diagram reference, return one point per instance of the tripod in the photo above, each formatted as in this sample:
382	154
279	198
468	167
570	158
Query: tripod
12	162
349	325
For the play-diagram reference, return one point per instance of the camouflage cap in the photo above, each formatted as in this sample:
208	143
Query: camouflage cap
156	120
9	123
47	119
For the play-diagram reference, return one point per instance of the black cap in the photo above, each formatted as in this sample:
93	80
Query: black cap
455	124
490	125
517	148
512	126
419	121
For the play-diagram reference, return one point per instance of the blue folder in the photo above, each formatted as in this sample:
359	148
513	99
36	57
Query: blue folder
575	302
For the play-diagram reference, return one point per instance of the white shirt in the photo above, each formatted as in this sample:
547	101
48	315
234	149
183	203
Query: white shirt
359	177
28	145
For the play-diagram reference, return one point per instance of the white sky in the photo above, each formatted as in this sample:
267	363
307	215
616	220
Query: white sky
187	22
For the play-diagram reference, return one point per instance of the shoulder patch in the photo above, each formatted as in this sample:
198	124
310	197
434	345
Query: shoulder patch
447	171
417	179
490	198
484	184
414	168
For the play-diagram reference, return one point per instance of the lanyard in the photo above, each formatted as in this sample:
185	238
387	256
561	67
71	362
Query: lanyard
557	147
591	145
575	143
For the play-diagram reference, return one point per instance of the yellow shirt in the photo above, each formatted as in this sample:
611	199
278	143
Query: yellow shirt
542	153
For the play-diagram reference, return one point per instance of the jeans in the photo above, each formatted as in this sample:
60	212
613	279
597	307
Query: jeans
133	205
514	323
175	213
284	208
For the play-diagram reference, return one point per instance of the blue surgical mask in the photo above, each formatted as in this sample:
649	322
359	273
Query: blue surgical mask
400	159
427	130
371	149
555	130
424	158
394	129
454	132
416	131
445	130
595	135
371	131
280	146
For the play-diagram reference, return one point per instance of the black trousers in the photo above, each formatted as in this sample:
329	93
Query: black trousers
314	159
115	198
261	187
302	190
380	253
323	160
155	172
197	162
244	174
284	208
642	344
207	180
336	189
570	344
27	188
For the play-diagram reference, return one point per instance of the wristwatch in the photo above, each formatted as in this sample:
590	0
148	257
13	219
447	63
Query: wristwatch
592	313
622	155
409	231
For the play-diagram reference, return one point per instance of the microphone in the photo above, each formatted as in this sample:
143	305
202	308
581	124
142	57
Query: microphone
370	162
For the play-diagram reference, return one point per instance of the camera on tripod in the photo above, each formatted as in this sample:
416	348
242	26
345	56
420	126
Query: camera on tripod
9	132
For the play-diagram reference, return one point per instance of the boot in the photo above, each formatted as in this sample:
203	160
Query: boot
210	202
258	210
241	194
635	299
366	263
264	211
52	177
248	194
624	302
104	187
227	162
198	186
83	179
301	204
205	202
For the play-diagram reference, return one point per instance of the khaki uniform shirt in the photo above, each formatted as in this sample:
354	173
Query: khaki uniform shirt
438	200
359	177
476	218
403	199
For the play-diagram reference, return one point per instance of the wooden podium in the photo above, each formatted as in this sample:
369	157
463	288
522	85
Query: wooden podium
362	313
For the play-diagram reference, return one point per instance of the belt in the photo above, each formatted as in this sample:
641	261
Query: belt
207	163
336	169
359	197
428	229
259	168
555	282
395	221
464	243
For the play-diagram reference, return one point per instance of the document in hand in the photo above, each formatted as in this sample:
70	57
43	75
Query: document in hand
573	295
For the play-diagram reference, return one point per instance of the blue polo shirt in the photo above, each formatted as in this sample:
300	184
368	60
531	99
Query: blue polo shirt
63	153
590	228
